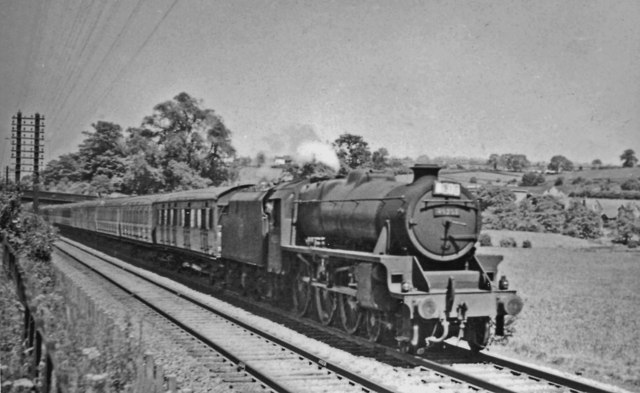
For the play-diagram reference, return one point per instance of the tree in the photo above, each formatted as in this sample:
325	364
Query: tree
180	176
629	158
423	159
379	158
627	224
67	166
309	170
582	222
141	177
596	164
261	158
102	151
493	161
516	162
532	179
560	163
353	152
400	166
546	210
190	134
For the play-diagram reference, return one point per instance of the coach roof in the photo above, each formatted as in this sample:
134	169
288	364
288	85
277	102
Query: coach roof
212	193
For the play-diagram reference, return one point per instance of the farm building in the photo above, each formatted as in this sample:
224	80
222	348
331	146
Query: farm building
608	208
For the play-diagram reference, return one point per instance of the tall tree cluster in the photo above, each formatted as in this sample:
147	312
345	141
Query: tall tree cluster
511	162
180	146
353	152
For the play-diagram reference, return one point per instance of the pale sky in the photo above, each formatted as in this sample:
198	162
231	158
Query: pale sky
457	78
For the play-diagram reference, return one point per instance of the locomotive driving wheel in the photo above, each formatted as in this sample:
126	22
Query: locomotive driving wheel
350	313
373	323
326	305
302	293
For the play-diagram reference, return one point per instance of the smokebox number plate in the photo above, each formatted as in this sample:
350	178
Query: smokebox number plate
446	212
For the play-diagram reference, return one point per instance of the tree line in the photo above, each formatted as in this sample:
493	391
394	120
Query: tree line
181	146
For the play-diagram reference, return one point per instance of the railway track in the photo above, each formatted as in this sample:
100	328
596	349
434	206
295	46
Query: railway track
459	370
242	355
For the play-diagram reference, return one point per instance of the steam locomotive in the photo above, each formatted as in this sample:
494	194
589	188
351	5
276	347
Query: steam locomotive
366	252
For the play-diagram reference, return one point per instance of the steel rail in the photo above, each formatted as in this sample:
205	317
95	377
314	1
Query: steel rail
373	386
538	374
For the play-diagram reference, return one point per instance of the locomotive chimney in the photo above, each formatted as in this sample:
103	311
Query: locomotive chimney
425	170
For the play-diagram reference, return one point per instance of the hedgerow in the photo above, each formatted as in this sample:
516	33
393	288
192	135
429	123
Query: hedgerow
26	231
544	213
87	355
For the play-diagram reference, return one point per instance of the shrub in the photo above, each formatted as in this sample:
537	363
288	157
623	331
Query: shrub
582	222
631	185
492	196
27	232
473	180
485	240
508	242
632	244
559	181
532	179
626	225
526	244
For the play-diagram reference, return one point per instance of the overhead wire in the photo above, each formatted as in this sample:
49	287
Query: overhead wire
65	62
34	40
80	65
73	81
62	57
94	106
90	88
135	56
70	54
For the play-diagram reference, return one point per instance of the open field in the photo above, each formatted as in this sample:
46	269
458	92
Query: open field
582	311
615	174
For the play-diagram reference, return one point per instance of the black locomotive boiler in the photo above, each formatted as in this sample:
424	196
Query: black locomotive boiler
366	252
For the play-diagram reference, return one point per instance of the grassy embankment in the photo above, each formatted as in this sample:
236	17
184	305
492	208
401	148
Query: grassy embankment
582	308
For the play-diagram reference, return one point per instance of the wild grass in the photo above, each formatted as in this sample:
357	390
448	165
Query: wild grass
582	311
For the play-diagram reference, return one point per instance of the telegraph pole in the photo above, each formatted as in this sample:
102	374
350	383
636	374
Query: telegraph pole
27	143
16	148
36	161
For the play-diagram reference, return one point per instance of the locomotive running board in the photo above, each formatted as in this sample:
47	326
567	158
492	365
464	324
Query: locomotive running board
399	267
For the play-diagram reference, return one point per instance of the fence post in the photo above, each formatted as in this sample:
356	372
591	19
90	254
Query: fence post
37	353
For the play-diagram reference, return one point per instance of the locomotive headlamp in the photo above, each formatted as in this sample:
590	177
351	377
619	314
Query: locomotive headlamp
514	305
406	286
428	309
503	284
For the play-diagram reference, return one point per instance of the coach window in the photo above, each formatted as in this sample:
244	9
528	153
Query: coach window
203	219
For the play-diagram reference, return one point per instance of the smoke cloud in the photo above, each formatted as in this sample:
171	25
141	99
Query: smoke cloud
317	151
302	143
